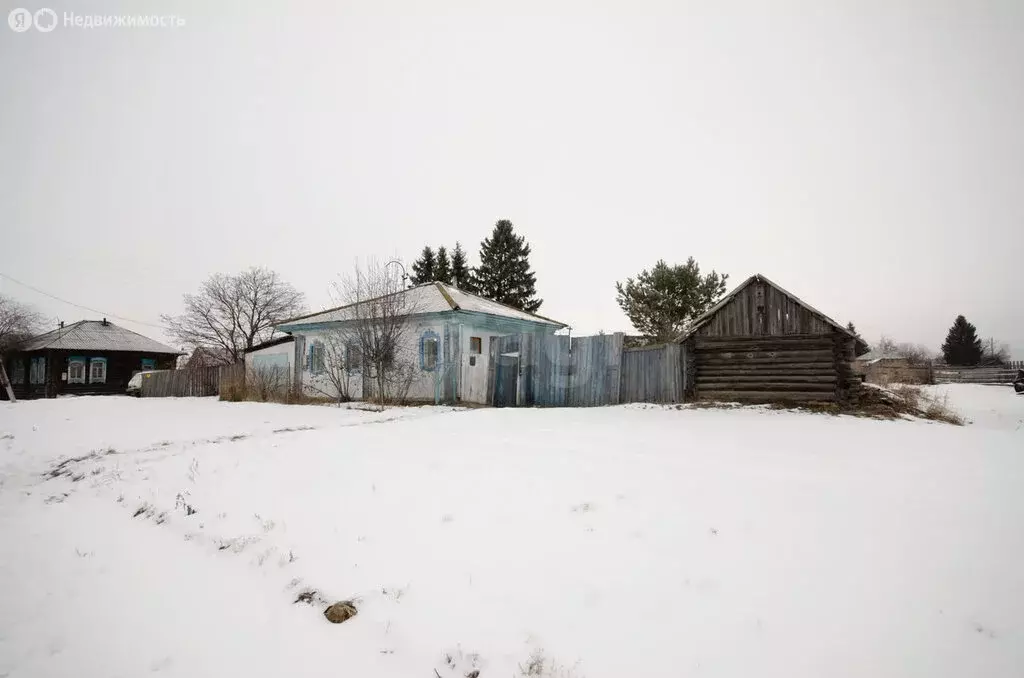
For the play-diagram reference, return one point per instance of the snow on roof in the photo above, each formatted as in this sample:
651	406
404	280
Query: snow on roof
96	335
434	297
875	355
471	302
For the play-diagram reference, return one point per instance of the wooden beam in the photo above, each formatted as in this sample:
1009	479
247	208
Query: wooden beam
755	362
764	344
705	387
770	368
705	339
703	380
769	396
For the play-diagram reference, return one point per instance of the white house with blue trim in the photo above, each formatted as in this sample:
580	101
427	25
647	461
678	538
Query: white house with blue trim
449	332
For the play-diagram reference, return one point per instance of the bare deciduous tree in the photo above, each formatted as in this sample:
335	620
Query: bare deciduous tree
914	354
994	353
375	324
18	322
342	362
235	312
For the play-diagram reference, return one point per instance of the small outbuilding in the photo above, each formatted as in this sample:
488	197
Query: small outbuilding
761	343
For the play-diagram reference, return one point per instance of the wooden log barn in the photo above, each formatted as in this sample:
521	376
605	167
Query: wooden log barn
762	344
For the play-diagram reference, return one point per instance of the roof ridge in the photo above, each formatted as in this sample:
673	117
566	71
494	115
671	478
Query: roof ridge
288	321
444	293
508	306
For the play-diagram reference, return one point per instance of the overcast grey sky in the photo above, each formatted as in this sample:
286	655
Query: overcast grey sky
867	156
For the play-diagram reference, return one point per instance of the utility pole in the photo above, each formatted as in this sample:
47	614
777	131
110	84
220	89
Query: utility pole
6	382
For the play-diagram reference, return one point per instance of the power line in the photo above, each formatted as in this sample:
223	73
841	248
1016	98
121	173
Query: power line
86	308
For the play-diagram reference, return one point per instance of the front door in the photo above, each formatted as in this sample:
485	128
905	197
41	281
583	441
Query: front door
506	379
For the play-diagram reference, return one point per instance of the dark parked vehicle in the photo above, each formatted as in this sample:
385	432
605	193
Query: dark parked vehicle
1018	383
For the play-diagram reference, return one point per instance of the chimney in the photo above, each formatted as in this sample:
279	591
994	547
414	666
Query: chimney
104	322
61	325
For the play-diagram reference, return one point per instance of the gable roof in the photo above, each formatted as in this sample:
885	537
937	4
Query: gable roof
432	297
96	335
209	356
700	321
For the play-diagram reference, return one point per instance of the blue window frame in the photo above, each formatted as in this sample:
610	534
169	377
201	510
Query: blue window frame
430	351
353	357
316	357
148	364
97	370
76	369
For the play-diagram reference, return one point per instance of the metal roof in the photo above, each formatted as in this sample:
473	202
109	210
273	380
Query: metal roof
95	335
434	297
271	343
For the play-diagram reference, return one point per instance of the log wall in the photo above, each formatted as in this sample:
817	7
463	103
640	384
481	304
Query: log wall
794	368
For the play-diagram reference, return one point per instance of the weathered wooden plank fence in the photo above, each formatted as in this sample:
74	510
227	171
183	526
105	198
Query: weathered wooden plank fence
202	381
595	376
231	381
534	370
977	375
653	374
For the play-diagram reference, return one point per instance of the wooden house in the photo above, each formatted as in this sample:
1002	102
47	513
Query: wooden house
446	344
761	343
86	357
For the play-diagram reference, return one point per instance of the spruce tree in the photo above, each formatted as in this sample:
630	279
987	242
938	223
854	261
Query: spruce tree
504	273
443	266
423	268
460	269
962	346
852	329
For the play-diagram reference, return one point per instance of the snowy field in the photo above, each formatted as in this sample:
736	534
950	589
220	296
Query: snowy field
599	543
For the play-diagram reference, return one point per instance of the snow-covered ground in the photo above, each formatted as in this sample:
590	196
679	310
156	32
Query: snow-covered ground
988	406
607	542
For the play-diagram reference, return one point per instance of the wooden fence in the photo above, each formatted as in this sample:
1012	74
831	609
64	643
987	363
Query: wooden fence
653	374
201	381
231	382
945	374
534	370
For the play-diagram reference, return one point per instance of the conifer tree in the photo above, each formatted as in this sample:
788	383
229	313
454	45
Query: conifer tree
443	266
460	269
504	273
962	345
423	268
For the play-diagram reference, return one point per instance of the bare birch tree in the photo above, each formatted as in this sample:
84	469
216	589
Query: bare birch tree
375	324
235	312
